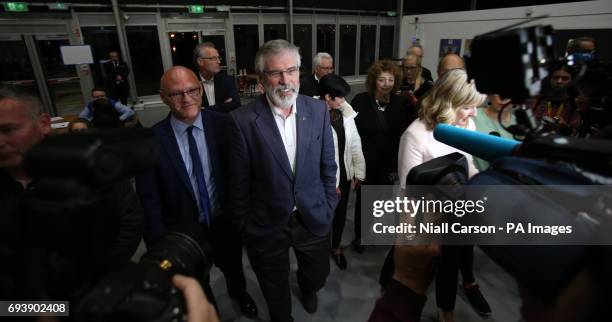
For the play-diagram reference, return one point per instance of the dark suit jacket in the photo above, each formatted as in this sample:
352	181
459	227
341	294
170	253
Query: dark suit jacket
111	73
166	192
380	138
309	86
225	89
264	189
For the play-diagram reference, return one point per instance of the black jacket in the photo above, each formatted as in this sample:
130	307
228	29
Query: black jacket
308	86
380	133
55	249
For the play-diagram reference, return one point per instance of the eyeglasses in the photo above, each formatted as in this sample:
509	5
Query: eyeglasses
291	71
193	93
217	58
330	68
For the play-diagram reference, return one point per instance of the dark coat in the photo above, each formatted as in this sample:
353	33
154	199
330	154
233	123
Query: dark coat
308	86
380	136
227	97
166	193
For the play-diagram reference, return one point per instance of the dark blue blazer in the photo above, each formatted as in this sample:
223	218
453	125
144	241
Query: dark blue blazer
263	187
165	192
227	97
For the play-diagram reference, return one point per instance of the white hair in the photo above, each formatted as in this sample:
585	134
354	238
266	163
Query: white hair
274	48
316	61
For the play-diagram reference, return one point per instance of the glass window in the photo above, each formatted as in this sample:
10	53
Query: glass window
181	47
146	60
348	41
367	48
219	42
62	80
385	48
15	62
302	36
326	39
272	32
102	40
246	43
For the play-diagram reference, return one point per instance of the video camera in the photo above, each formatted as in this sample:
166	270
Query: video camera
63	242
520	58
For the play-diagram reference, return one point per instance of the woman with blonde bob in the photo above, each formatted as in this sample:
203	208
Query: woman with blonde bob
452	100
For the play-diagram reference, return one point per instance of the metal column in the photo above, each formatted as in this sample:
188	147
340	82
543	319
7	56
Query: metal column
39	75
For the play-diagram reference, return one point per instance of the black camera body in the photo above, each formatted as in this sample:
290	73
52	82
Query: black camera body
62	250
144	292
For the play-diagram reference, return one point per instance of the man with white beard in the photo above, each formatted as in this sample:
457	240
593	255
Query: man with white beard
283	179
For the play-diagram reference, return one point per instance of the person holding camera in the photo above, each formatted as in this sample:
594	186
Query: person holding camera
106	240
187	186
414	83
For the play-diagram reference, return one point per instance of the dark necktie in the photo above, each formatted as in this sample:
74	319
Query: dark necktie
196	164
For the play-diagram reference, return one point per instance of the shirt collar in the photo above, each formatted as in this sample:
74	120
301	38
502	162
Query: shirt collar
181	127
279	111
204	81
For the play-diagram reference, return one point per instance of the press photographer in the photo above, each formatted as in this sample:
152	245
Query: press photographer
70	222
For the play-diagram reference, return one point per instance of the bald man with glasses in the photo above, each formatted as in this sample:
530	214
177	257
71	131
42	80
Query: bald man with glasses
187	187
219	90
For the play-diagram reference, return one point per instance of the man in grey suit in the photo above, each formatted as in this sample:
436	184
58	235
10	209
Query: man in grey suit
283	179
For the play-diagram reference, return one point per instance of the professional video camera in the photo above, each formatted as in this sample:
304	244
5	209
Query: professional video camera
521	59
547	275
62	251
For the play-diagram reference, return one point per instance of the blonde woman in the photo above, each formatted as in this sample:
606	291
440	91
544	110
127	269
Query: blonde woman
414	84
452	100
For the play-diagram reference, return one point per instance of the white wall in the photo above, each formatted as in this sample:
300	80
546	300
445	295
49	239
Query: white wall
467	24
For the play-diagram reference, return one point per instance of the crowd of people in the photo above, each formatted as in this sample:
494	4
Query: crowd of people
276	174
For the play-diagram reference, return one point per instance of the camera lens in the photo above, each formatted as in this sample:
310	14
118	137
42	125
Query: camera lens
183	251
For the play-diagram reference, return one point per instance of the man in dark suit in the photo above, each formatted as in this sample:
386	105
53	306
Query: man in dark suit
322	64
188	186
283	179
220	93
117	83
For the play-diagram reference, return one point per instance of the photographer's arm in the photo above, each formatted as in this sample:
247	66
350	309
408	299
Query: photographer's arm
404	297
199	308
131	222
147	187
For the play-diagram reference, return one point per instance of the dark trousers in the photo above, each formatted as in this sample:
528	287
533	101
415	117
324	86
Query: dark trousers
227	255
269	256
119	92
340	215
453	258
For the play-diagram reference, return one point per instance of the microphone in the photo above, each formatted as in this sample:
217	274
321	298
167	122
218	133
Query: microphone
484	146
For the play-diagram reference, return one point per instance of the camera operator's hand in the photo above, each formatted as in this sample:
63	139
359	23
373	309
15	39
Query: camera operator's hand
415	266
198	307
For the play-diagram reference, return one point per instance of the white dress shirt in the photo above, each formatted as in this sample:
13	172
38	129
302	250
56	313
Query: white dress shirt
287	127
209	89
